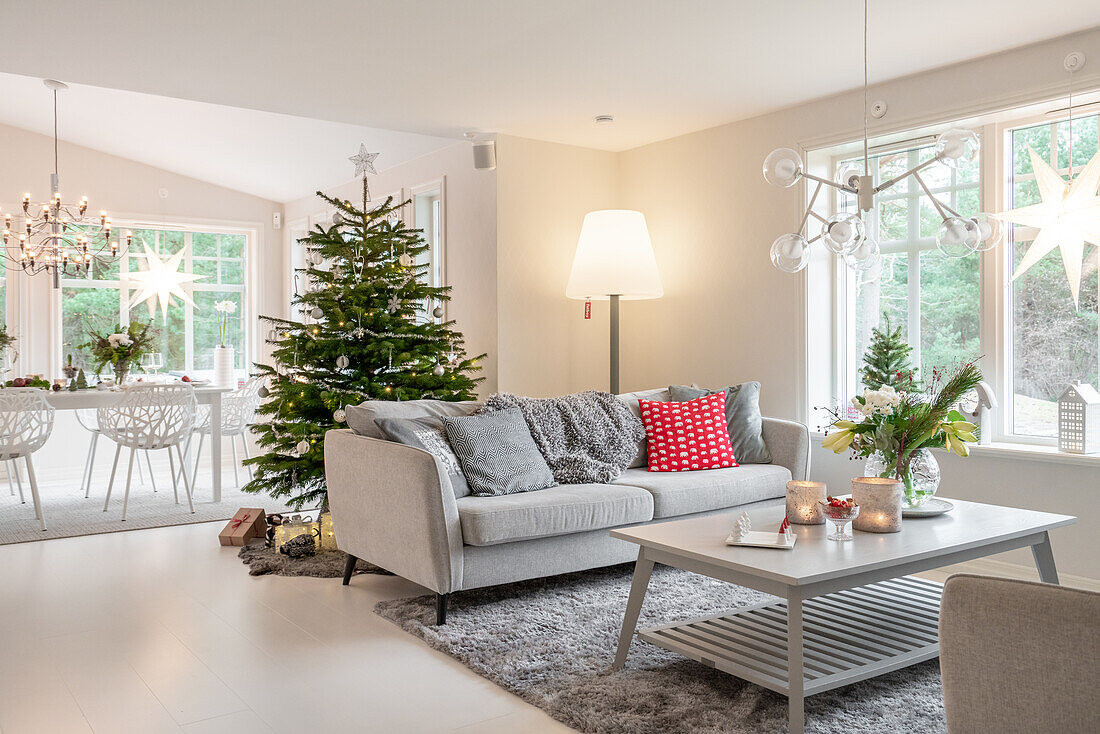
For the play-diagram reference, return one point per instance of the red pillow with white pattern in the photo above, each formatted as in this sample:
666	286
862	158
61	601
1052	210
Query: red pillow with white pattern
687	436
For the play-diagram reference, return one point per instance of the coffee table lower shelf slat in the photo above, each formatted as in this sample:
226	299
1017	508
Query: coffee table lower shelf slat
893	624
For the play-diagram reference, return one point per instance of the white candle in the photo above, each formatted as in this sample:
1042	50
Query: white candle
879	501
802	502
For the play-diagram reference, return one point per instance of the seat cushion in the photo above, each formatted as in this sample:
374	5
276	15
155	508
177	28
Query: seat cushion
682	493
560	510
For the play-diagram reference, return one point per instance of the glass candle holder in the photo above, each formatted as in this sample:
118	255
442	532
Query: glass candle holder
880	501
802	502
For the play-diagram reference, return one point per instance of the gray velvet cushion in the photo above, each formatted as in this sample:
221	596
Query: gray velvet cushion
428	434
681	493
497	453
560	510
361	418
742	416
631	400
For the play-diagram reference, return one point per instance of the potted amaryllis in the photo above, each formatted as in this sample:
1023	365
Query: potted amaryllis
120	349
895	430
223	353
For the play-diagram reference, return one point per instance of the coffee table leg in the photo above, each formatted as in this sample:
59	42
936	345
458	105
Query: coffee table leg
643	567
1044	561
796	716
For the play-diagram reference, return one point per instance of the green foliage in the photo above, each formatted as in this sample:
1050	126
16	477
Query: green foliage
391	353
5	339
107	349
887	360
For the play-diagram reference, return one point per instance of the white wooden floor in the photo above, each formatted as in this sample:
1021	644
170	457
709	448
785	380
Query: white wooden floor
163	631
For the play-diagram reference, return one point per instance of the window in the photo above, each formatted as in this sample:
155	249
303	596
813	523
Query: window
1050	343
101	299
933	298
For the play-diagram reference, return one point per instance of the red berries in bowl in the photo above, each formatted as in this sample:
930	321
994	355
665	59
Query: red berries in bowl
837	507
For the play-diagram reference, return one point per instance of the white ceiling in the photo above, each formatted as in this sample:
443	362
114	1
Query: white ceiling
275	156
535	68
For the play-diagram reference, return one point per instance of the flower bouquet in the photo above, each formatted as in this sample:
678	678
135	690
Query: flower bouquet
894	430
120	349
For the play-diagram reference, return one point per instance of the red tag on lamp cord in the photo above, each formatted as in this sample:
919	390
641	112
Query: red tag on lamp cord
588	309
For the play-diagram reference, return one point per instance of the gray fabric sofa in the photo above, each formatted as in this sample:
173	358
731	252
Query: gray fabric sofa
393	505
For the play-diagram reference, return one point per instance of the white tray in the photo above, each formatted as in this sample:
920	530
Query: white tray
762	539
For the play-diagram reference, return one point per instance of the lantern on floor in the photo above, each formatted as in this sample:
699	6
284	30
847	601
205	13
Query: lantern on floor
1079	420
295	526
328	534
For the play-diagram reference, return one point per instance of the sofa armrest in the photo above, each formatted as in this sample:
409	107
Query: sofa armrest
789	444
392	505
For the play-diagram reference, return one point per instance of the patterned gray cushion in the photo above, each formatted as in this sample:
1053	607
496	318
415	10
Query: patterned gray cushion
746	425
427	433
497	453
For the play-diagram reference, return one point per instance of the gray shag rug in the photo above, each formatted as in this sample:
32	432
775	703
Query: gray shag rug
551	642
262	560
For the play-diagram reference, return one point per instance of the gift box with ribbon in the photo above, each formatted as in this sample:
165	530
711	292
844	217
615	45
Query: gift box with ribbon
248	523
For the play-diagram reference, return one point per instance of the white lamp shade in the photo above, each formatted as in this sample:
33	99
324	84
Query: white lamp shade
614	257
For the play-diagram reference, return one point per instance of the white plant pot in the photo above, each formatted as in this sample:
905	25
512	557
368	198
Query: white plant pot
223	366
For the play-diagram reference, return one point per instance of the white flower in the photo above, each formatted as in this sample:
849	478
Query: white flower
120	340
882	401
226	306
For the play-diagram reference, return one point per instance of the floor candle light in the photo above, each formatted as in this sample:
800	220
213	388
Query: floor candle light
802	502
880	504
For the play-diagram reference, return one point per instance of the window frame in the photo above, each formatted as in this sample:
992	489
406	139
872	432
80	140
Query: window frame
122	285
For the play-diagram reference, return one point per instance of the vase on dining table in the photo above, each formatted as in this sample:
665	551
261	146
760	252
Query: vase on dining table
223	366
121	370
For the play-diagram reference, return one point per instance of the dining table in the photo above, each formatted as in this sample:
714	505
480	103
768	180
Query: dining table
204	395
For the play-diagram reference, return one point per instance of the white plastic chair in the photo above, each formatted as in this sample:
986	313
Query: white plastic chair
147	418
86	417
26	421
238	413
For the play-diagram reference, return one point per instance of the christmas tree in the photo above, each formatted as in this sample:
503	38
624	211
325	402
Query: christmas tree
887	360
372	330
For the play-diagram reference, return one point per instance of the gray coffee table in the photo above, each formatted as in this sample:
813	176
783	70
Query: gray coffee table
850	610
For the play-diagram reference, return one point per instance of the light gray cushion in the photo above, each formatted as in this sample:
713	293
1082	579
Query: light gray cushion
742	417
497	453
428	434
631	399
681	493
560	510
361	418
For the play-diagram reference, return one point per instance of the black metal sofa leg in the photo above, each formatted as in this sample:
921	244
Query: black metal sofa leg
441	608
349	568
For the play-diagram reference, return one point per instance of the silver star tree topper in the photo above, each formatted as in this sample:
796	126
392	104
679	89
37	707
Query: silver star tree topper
364	161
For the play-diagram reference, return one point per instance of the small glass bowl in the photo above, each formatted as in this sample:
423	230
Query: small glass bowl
841	519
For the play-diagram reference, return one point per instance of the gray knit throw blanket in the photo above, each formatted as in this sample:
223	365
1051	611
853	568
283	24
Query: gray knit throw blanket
586	437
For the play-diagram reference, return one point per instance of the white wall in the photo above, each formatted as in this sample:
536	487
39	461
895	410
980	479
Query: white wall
471	246
126	189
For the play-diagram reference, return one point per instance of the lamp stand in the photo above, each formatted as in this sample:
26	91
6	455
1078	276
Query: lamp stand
614	344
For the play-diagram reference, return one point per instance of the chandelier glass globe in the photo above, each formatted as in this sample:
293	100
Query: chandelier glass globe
782	168
848	176
958	237
842	233
990	231
865	256
790	252
957	147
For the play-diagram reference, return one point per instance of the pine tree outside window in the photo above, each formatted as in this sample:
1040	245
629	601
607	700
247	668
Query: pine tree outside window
101	298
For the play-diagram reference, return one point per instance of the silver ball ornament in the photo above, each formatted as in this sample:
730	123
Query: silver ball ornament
263	392
342	362
316	312
437	312
302	447
337	218
316	258
339	415
438	370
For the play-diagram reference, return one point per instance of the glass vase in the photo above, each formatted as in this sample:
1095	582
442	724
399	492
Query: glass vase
122	369
921	476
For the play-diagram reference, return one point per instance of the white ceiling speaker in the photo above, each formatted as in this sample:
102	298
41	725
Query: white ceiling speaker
485	153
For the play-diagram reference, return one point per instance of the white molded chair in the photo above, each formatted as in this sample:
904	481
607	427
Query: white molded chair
26	421
238	413
147	418
86	417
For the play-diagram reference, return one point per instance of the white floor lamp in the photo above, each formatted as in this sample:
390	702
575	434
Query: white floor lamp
614	260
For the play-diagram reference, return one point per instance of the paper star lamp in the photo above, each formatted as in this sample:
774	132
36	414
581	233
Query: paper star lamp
1067	218
364	161
160	282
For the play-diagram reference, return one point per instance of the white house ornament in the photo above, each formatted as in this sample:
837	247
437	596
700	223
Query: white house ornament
1067	218
160	281
406	260
364	161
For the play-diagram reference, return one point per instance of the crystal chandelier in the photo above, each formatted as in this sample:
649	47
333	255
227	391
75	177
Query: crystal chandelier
845	234
55	237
